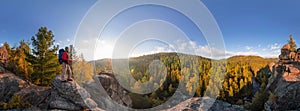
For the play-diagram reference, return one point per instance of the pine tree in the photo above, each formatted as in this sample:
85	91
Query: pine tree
44	58
292	43
23	67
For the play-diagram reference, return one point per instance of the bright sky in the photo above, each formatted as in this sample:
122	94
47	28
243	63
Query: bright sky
252	27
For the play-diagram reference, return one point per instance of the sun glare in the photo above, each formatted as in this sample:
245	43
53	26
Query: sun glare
103	50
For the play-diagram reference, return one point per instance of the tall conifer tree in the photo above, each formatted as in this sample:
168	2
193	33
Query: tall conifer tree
292	43
44	58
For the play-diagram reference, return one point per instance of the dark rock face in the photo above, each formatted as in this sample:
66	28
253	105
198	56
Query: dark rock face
115	90
9	85
200	104
284	86
111	96
35	95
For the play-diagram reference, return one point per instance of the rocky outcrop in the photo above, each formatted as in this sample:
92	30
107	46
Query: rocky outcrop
11	85
66	95
205	103
69	96
34	95
284	86
287	55
284	83
108	93
61	96
115	90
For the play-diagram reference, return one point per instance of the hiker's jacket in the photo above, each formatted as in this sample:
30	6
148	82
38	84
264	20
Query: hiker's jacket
65	58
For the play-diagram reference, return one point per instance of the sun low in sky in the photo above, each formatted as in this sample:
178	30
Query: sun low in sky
248	27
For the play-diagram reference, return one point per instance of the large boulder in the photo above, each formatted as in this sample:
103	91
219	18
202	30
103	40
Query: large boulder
34	95
57	102
69	96
9	85
284	86
285	56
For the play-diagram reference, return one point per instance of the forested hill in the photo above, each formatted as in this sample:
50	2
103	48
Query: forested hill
256	62
248	58
239	74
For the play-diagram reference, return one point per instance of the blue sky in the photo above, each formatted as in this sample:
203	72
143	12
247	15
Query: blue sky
21	19
252	27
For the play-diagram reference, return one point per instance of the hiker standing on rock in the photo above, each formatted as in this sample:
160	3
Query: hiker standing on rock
66	65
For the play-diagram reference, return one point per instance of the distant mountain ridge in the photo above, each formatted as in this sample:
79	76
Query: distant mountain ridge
232	58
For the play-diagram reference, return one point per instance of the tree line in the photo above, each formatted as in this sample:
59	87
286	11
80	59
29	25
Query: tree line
230	79
36	60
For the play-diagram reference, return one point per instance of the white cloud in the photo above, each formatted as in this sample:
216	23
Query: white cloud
248	47
274	46
157	49
160	49
204	51
182	46
228	53
56	43
60	43
171	46
68	40
253	53
272	51
193	44
192	47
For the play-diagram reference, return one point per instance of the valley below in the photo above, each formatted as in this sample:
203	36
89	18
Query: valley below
198	83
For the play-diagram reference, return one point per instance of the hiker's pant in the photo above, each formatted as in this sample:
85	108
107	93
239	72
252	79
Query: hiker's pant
66	69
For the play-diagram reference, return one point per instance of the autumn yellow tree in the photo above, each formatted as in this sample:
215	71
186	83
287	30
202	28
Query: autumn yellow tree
292	43
82	71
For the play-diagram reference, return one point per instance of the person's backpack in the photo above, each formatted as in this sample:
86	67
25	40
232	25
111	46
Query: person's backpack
61	51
